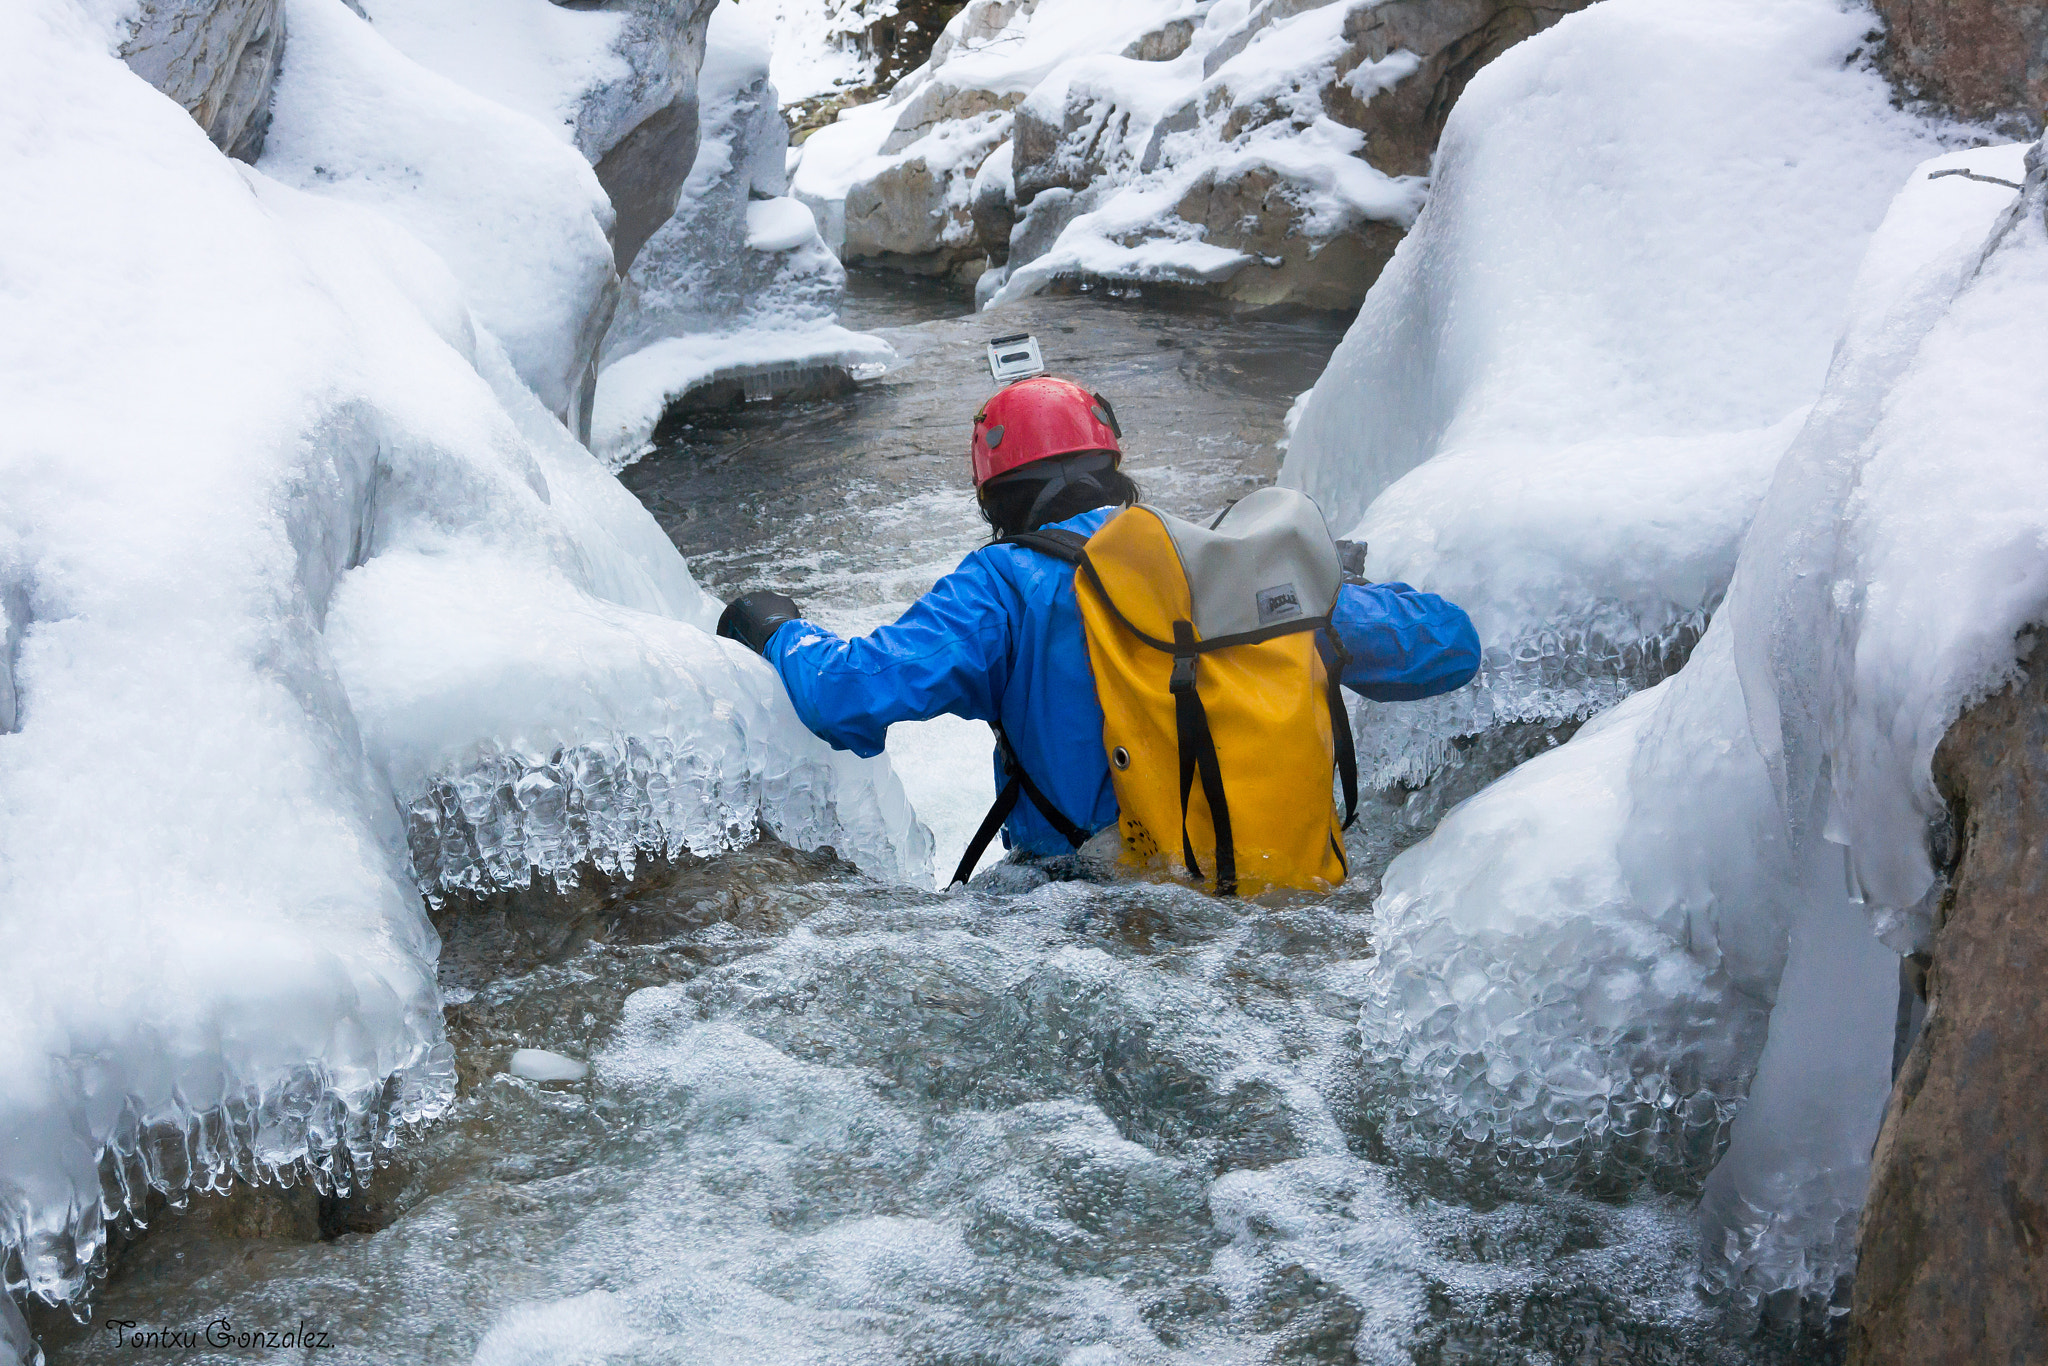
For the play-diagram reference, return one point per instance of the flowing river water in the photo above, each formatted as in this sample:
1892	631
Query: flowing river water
830	1120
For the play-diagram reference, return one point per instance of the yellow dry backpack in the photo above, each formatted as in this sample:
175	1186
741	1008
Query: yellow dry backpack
1224	725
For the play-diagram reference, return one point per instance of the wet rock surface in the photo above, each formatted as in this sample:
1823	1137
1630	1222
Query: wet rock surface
1952	1261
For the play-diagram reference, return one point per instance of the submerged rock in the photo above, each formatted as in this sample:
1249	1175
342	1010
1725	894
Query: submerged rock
1953	1247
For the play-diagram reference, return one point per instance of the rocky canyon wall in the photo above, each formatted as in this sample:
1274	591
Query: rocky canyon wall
1269	154
217	58
1953	1262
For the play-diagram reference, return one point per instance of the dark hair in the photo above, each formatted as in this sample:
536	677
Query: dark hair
1054	489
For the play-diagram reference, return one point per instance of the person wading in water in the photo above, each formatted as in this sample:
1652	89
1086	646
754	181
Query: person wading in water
1122	654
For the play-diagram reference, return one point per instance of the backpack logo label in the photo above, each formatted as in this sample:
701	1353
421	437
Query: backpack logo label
1278	603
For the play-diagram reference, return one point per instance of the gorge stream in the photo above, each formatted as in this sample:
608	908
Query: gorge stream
831	1120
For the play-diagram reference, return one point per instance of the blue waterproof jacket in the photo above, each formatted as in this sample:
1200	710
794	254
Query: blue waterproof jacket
1000	639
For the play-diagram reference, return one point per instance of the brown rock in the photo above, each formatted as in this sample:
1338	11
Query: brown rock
1986	59
906	219
1952	1250
1162	44
1254	213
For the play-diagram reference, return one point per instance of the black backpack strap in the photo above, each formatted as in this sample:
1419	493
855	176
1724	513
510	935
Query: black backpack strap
1006	801
1198	754
1340	730
1069	547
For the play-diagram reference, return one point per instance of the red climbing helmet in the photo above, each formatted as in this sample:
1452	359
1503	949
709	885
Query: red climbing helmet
1040	417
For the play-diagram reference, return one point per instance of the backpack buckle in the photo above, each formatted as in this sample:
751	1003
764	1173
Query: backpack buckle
1183	678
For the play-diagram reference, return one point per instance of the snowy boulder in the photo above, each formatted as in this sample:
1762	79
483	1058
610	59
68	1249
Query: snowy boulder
1706	866
217	58
1267	153
1562	403
993	203
737	287
618	81
515	212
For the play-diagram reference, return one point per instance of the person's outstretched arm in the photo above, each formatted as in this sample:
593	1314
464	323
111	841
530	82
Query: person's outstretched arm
1403	644
949	654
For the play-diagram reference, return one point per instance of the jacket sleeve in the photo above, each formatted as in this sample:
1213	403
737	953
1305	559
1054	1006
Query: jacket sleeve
949	654
1403	644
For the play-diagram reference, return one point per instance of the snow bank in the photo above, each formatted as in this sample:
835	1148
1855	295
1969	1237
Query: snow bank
737	285
1562	402
517	214
543	60
634	392
1578	972
286	545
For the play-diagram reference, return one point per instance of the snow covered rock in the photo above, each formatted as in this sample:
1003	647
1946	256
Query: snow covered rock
242	413
1563	400
618	80
217	58
1591	967
737	286
1269	152
516	213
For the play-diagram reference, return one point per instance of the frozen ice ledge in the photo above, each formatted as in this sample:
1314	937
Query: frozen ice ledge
318	584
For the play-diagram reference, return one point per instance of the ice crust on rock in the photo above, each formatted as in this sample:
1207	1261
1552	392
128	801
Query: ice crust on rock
1898	557
1592	967
1563	400
737	285
239	408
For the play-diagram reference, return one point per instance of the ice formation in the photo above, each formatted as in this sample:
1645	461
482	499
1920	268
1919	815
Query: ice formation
1137	116
1562	402
737	285
289	545
1582	970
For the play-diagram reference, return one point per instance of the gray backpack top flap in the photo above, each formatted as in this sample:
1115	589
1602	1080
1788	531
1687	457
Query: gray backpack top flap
1268	560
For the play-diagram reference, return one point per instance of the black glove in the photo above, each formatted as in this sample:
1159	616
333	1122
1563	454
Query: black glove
752	617
1351	561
